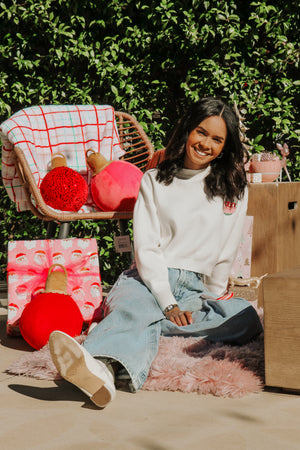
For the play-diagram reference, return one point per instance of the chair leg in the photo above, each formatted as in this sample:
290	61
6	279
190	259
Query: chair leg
123	224
51	230
64	229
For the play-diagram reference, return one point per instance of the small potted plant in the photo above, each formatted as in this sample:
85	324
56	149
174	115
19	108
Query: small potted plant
269	165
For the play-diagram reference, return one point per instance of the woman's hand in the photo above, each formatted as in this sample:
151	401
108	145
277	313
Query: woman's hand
180	318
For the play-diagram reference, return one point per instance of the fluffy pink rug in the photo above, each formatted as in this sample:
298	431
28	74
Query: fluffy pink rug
193	365
182	364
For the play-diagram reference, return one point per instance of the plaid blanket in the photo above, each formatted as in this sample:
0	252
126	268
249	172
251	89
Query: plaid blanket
41	131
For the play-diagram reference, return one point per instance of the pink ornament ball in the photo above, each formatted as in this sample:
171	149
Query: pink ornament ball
116	187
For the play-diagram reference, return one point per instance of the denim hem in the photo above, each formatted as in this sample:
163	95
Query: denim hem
114	359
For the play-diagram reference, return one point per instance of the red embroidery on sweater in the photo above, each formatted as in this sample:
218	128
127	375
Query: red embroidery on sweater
229	208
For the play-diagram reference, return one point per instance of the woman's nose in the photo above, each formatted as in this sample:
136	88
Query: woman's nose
205	143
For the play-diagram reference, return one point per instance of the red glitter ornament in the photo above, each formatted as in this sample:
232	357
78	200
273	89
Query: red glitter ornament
63	188
51	310
115	184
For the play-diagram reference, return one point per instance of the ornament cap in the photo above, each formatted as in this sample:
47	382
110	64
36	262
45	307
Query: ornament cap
58	160
56	280
96	161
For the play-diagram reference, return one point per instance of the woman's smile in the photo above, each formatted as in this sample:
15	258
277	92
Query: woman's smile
200	153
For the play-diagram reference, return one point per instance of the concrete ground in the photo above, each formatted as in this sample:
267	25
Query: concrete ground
40	415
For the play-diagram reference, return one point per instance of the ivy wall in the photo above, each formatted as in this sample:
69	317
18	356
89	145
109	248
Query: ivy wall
150	58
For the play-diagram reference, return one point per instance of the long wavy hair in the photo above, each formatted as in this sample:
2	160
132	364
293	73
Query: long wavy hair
227	177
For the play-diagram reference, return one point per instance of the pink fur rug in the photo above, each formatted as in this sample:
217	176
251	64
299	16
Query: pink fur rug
193	365
182	364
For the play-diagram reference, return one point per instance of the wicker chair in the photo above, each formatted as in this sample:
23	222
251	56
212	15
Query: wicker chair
156	159
134	142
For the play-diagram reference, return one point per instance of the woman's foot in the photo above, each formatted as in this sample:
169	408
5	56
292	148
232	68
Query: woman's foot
76	365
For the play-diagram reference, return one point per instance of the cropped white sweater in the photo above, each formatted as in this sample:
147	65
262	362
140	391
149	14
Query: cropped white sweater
176	226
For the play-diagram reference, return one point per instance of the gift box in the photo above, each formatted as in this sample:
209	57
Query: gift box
27	270
241	267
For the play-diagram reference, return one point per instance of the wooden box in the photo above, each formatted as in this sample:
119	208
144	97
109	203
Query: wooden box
276	226
281	292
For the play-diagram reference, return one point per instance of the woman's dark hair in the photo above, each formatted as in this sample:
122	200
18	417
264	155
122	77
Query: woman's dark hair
227	177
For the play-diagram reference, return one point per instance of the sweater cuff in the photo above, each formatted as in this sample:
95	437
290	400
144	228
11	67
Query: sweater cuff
165	299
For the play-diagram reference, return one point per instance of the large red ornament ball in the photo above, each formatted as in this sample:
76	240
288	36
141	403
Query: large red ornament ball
48	312
116	187
64	189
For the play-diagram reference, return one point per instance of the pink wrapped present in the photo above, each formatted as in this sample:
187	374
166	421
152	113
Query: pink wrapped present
242	265
27	270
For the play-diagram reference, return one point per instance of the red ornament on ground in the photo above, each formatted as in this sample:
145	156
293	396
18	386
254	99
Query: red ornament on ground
50	310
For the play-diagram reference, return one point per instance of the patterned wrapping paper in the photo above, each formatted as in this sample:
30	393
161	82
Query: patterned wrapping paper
242	265
27	270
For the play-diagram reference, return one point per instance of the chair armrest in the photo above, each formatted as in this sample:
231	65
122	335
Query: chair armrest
156	159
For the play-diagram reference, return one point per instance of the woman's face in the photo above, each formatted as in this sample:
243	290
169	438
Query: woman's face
205	143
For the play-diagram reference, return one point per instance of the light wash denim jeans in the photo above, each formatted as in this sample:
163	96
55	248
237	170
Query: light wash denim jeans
134	322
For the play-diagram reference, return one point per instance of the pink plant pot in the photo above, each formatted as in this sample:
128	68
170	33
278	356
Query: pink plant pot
269	170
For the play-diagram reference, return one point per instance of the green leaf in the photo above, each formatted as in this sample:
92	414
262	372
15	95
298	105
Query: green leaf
257	139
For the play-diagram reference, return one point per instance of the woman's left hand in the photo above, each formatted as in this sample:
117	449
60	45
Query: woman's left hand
180	318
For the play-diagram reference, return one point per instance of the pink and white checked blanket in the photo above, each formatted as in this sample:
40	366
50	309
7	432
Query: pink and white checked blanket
41	131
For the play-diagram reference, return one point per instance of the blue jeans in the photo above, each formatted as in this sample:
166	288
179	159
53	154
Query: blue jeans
134	322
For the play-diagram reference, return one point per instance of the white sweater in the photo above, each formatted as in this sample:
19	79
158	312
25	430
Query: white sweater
176	226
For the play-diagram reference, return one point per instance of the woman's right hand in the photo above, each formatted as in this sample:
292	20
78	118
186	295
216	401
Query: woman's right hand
180	318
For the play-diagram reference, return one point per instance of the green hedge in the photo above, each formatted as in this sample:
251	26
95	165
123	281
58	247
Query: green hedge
150	58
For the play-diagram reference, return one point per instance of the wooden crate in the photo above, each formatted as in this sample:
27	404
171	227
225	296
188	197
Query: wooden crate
281	292
276	226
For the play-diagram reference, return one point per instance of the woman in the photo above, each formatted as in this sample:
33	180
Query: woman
185	238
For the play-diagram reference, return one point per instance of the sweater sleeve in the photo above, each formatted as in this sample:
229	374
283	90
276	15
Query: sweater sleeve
217	282
148	256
